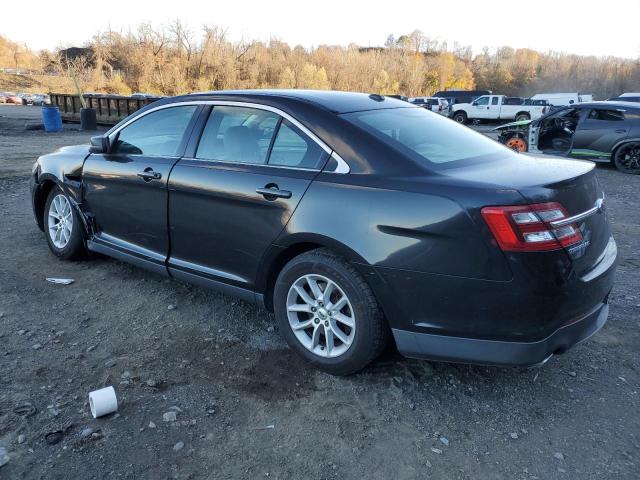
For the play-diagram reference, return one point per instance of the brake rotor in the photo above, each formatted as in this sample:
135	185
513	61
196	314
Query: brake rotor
516	143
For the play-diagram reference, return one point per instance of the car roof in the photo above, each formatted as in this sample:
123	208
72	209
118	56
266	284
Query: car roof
606	103
331	100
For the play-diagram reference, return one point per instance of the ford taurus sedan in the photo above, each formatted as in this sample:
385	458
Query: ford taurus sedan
357	219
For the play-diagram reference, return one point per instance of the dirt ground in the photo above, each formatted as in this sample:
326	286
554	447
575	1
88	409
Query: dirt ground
247	408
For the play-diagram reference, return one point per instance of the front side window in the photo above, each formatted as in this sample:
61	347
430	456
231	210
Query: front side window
237	134
292	148
482	101
429	139
158	133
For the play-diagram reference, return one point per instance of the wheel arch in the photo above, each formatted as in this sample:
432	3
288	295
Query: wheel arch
621	143
279	255
47	182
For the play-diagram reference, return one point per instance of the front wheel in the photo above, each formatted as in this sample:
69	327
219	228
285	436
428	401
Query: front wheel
63	226
328	314
460	117
627	158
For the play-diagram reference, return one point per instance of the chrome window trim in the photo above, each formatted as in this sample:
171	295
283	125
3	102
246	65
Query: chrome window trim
238	164
342	167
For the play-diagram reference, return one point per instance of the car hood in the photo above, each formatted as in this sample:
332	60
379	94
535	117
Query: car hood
521	123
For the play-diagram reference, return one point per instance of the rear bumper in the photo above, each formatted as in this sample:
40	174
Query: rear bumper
496	352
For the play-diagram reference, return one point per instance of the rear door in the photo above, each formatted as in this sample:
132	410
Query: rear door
598	131
494	108
126	189
234	194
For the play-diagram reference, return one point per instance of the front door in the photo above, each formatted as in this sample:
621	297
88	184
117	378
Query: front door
126	188
480	107
597	133
230	201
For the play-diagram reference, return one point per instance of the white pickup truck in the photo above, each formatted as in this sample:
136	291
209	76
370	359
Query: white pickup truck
490	107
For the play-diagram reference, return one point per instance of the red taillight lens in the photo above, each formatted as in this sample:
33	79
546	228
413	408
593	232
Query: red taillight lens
527	228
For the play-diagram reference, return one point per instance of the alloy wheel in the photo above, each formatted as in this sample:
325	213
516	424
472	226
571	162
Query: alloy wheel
629	158
321	316
60	221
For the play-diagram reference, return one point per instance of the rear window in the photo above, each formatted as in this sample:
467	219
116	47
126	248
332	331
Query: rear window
428	138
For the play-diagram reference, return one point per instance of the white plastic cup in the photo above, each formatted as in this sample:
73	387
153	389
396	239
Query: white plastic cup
103	402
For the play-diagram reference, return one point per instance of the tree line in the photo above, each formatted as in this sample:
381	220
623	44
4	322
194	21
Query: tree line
174	59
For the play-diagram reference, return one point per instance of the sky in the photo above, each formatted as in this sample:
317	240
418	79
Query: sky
583	27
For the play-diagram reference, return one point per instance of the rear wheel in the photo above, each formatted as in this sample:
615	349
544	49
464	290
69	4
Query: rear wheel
63	226
327	313
522	116
460	117
517	143
627	158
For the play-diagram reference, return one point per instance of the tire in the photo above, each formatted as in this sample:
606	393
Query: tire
365	341
460	117
66	242
627	158
522	116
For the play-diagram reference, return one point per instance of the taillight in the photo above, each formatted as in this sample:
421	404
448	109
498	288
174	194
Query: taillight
527	228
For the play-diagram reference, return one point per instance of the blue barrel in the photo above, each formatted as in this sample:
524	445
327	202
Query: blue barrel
51	118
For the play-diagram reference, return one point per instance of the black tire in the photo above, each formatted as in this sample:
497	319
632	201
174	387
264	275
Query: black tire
522	116
75	248
460	117
627	158
371	331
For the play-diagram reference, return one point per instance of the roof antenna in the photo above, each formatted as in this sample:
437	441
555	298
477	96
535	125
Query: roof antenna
376	97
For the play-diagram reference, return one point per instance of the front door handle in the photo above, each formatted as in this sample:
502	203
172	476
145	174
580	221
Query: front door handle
271	192
622	130
148	174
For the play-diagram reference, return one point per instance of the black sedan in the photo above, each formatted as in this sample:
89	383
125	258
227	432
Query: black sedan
357	219
599	131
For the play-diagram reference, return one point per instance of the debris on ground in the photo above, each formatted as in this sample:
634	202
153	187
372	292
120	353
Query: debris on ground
60	281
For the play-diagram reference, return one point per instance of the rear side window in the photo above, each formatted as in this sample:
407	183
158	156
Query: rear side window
429	139
494	101
158	133
292	148
237	134
607	115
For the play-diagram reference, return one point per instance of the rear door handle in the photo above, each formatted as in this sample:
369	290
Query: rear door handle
148	174
271	192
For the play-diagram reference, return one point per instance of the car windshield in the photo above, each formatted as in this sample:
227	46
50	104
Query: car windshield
427	137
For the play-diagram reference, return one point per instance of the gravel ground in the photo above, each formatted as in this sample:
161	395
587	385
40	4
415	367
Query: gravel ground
245	407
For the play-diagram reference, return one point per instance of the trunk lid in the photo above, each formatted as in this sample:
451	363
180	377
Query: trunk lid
573	184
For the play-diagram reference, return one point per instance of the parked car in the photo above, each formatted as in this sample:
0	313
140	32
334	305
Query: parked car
13	98
514	101
600	131
626	97
563	99
354	217
461	96
435	104
3	98
493	107
41	99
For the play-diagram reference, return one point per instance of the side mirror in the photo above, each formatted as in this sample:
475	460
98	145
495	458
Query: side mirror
475	104
99	144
